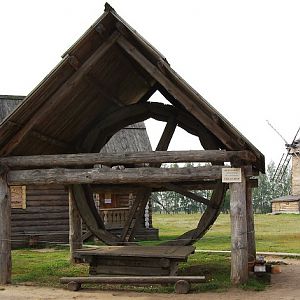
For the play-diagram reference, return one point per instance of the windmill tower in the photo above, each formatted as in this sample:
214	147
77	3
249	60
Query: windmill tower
295	153
289	203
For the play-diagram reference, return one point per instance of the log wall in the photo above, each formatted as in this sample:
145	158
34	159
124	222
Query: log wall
45	219
286	207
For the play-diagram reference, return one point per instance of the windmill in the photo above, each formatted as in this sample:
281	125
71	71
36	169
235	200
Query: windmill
290	203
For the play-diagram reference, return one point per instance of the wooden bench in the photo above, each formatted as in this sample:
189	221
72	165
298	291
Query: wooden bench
182	283
135	260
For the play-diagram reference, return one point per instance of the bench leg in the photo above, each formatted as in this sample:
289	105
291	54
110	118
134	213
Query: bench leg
182	287
74	286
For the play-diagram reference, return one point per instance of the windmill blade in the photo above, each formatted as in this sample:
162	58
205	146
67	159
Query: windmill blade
285	167
277	132
279	166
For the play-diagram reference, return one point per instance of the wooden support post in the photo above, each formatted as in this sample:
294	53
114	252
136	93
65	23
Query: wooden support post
5	231
250	224
75	227
239	247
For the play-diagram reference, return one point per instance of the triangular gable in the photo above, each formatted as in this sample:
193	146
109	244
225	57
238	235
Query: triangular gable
109	67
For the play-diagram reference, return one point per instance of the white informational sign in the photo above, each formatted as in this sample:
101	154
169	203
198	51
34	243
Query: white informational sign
231	175
107	198
107	201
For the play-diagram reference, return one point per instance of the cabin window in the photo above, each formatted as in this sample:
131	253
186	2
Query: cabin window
18	196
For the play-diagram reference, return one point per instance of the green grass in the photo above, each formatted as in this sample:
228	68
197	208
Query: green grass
273	233
43	268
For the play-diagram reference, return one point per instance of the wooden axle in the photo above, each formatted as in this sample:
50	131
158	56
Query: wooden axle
109	176
89	159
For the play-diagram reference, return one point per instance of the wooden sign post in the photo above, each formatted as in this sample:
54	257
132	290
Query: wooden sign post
239	246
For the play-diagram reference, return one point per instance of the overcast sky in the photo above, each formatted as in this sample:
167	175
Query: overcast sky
241	56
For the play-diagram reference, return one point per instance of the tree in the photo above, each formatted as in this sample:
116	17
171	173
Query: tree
270	188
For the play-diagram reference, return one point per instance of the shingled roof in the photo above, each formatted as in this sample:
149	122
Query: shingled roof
132	138
109	67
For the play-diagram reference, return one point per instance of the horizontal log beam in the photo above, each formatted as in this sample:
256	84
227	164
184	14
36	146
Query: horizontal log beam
110	176
89	159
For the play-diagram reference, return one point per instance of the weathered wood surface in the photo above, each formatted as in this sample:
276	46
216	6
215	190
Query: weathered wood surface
96	175
135	260
119	270
174	252
156	187
46	212
85	159
5	232
75	227
182	286
133	280
250	224
239	245
63	91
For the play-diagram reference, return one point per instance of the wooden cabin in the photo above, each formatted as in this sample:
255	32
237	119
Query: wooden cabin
291	204
102	85
40	214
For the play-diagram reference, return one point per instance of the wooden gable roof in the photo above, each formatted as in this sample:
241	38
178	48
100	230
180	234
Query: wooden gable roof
109	67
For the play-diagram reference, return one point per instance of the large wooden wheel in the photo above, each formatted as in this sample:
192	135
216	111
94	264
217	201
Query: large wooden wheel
100	134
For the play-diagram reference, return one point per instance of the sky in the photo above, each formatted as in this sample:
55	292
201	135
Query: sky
243	57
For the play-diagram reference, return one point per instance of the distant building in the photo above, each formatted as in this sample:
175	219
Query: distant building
291	203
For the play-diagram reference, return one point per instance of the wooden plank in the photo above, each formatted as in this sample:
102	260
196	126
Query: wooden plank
5	232
125	270
172	252
26	223
132	261
50	198
239	246
133	280
89	159
62	92
109	176
44	138
37	217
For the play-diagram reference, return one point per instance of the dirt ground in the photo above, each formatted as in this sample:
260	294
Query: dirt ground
284	286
